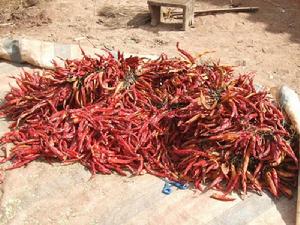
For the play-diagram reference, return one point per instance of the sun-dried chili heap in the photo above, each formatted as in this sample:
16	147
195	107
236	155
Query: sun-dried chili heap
172	118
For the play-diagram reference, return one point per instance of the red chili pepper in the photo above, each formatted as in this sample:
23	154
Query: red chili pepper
215	181
285	190
222	197
271	184
186	54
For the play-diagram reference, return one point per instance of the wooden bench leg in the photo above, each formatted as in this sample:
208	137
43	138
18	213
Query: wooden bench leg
192	15
188	16
185	18
155	14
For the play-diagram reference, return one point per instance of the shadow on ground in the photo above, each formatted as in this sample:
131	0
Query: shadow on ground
278	16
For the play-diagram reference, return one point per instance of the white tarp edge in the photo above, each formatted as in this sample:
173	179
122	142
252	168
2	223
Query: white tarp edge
291	103
41	53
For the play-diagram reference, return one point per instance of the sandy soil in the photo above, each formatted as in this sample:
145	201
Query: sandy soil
266	42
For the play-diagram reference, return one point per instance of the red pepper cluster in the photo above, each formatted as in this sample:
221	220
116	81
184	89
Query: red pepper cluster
173	118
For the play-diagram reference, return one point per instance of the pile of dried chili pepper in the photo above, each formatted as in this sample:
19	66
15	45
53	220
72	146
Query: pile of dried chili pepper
171	117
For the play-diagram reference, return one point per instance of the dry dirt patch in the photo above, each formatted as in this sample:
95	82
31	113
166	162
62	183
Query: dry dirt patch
23	13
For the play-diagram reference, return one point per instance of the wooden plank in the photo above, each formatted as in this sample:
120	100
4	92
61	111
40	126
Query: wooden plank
216	11
170	3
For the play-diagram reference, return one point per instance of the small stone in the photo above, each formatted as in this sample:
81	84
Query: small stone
99	21
240	63
271	76
79	38
135	39
30	3
90	37
159	41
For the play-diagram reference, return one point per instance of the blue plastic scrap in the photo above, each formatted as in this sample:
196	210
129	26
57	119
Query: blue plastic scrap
167	189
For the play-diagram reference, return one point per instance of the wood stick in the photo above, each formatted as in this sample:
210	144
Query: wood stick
6	24
215	11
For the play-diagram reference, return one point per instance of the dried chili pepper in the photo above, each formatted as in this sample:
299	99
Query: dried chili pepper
172	118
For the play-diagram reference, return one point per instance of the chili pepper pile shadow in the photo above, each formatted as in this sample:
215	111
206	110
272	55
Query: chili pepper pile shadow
173	118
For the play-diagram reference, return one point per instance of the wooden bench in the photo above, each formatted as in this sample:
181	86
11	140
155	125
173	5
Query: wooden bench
186	5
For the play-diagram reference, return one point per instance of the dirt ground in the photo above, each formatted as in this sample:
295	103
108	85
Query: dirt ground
266	42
